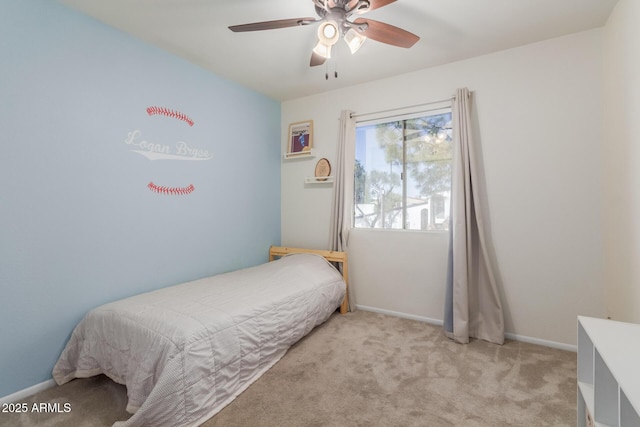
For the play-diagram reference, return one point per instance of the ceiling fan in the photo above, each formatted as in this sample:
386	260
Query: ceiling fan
337	19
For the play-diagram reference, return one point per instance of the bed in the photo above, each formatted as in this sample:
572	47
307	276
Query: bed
186	351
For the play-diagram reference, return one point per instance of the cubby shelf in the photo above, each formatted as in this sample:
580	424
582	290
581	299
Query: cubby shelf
608	383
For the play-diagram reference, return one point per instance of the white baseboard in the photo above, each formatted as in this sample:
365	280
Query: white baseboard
30	391
399	314
545	343
437	322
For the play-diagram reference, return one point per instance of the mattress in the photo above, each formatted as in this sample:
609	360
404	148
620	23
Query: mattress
186	351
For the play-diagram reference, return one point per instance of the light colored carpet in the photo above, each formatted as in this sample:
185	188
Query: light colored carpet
367	369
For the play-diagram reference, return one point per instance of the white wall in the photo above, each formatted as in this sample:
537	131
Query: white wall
621	154
539	111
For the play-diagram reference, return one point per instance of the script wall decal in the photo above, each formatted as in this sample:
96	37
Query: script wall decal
154	150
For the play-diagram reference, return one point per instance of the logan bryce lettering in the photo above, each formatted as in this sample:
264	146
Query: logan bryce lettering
154	151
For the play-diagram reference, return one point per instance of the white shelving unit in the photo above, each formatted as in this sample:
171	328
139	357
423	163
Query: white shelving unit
608	373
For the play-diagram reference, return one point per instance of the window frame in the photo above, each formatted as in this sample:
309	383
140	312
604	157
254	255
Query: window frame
378	118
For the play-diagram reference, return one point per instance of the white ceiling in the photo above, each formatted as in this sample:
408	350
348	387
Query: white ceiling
276	62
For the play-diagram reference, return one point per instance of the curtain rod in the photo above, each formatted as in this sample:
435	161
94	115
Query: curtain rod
402	108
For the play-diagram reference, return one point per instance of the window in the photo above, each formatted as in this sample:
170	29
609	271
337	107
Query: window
402	172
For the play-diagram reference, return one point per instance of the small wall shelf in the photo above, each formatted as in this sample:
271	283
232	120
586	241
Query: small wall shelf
608	386
299	155
318	180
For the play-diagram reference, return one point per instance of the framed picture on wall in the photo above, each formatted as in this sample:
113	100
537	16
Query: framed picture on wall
300	138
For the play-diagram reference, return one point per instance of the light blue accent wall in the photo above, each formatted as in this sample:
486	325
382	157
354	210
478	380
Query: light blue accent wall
78	225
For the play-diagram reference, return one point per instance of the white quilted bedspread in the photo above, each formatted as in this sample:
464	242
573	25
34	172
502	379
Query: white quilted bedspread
186	351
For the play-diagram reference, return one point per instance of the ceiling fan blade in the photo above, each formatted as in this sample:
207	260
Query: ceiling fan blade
272	25
387	33
374	4
316	59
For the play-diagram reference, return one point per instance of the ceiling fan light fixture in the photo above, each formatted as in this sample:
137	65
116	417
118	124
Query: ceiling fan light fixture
323	50
328	33
354	40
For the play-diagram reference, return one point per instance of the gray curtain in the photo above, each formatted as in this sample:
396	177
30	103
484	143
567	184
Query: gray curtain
342	204
472	303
